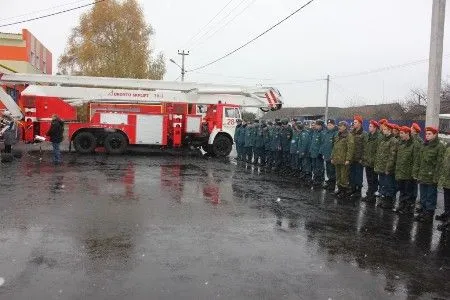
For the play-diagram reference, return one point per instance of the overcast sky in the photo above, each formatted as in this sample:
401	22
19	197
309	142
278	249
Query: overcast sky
336	37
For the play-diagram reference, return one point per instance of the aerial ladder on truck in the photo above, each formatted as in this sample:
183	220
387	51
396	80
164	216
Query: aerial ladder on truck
124	111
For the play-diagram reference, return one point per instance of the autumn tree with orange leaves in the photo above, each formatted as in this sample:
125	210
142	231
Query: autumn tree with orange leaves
112	40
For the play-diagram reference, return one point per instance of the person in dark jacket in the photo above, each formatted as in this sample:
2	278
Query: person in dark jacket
428	173
11	132
267	140
237	142
315	154
303	152
285	136
356	168
56	133
327	147
370	153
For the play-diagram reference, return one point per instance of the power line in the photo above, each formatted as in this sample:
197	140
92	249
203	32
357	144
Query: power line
224	19
230	76
52	14
42	10
209	22
254	39
226	24
384	69
287	82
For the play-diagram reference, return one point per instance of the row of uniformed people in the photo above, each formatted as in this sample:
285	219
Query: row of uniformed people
287	148
394	159
397	160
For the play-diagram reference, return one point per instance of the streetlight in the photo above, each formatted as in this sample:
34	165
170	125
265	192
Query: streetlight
183	70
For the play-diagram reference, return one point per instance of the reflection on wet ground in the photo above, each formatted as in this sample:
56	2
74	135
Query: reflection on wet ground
140	227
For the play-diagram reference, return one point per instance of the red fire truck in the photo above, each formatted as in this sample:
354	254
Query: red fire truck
124	111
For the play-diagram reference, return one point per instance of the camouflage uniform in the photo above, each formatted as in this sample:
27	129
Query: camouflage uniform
444	182
385	167
405	168
370	152
428	171
340	154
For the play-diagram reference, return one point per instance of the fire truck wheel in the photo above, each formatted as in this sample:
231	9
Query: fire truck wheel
222	146
85	142
115	143
209	150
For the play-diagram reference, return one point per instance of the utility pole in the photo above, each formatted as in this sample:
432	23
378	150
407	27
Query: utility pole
435	66
326	103
183	70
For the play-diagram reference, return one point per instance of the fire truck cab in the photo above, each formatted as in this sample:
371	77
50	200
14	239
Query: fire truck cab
120	111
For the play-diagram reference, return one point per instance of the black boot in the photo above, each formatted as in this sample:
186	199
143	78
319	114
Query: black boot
444	226
339	191
387	203
356	193
369	198
425	217
400	207
442	217
330	185
380	200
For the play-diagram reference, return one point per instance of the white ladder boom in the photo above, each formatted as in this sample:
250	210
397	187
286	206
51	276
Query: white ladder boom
86	88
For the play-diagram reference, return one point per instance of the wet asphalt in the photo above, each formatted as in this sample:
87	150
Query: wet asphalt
169	227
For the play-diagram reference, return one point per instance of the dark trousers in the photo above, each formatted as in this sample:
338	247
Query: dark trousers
372	181
8	148
286	159
387	185
318	169
268	157
406	188
356	174
415	188
447	201
294	161
306	165
331	171
56	153
239	150
428	196
248	153
276	158
259	154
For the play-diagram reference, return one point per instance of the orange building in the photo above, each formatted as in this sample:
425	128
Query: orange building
23	53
